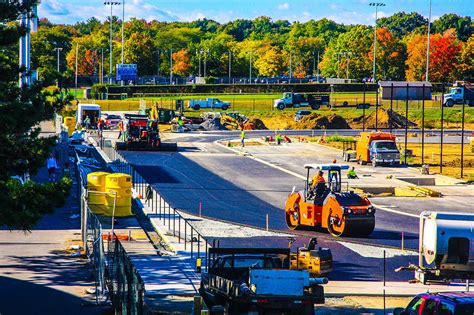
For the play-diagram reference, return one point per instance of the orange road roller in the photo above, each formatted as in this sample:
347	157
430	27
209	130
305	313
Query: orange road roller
324	205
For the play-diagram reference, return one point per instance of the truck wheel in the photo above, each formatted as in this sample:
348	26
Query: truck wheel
225	107
307	309
315	106
196	107
281	106
449	103
345	104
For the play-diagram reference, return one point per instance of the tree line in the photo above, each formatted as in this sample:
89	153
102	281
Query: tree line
270	48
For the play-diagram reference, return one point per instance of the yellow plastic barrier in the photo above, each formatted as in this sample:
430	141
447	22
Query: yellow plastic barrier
96	183
119	191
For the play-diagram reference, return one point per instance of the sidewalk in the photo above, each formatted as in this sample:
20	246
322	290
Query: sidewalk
38	274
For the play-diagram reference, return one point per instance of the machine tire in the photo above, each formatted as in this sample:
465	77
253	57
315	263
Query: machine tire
225	107
196	107
331	229
315	106
281	106
120	146
449	103
292	225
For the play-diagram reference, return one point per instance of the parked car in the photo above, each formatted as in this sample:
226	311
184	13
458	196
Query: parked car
443	303
301	114
112	120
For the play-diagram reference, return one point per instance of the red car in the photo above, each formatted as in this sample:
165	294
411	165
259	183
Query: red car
442	303
112	121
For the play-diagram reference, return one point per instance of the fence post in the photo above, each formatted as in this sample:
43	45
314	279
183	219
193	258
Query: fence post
174	222
185	230
391	108
192	241
423	127
406	124
442	132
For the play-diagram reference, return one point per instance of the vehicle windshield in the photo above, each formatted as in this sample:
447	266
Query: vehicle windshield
386	145
113	117
455	91
464	309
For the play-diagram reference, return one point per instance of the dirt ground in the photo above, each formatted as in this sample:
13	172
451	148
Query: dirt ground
352	305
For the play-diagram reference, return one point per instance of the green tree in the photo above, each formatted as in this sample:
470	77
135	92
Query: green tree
357	41
462	25
139	50
43	45
401	24
22	148
271	62
391	56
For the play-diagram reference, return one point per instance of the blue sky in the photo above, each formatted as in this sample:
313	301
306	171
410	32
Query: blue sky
347	12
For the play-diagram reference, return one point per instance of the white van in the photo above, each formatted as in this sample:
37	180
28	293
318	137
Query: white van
88	110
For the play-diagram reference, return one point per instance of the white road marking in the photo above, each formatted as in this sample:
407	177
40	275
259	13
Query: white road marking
304	178
369	251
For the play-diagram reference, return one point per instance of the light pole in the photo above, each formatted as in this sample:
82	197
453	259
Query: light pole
428	47
58	49
376	5
205	62
291	66
123	26
230	65
348	59
75	74
317	73
111	3
250	68
158	63
171	66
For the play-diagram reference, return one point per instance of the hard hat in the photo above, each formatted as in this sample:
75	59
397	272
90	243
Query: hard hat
334	161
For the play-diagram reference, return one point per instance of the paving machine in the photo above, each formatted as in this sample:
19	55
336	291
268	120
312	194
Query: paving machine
142	134
326	206
316	260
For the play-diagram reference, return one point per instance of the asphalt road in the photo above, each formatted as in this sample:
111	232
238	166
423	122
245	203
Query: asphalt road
236	188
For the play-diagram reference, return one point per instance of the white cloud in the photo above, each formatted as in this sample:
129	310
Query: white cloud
284	6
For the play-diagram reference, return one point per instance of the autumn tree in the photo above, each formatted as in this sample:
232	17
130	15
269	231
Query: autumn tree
391	56
444	52
271	62
135	53
463	25
181	64
466	59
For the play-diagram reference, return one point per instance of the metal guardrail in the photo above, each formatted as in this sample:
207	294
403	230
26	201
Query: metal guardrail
114	273
170	216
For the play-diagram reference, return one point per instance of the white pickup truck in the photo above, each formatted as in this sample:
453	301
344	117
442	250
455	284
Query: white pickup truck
208	103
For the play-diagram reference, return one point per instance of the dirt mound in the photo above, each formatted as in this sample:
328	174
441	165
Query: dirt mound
383	120
316	121
255	124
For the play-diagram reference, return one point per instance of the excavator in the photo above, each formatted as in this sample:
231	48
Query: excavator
326	206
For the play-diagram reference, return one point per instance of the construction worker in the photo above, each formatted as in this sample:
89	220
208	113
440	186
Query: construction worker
87	122
318	183
351	174
180	124
242	138
279	138
120	125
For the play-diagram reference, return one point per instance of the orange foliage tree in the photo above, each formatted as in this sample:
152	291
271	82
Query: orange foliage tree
391	55
181	63
444	57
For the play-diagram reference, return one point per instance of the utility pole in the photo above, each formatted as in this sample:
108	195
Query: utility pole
230	65
317	73
102	66
75	75
205	62
111	3
158	63
428	47
199	52
291	66
27	20
171	66
376	5
58	49
348	59
250	68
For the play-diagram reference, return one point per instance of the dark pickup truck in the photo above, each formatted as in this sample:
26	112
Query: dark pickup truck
258	280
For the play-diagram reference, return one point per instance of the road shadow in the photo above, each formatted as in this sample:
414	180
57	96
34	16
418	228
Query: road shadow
25	297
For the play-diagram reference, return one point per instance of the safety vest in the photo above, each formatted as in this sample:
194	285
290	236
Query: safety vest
242	135
320	179
180	121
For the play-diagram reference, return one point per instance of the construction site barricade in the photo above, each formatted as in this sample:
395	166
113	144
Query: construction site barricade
96	183
70	124
118	187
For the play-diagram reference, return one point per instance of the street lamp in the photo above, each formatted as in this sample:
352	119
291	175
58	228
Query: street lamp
376	5
250	68
111	3
171	66
428	46
230	65
58	49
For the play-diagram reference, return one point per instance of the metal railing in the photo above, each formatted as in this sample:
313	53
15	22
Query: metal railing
114	272
158	207
125	285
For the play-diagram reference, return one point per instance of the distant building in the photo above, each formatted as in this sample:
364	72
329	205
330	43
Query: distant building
400	91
